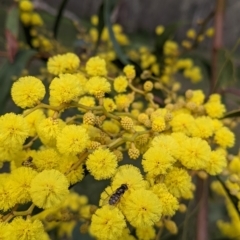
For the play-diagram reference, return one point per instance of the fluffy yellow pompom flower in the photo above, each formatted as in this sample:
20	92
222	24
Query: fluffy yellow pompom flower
65	63
109	104
76	174
120	84
111	127
102	164
167	142
202	127
234	165
159	29
47	158
33	119
26	5
194	153
158	124
27	91
26	229
19	184
142	208
191	33
123	101
64	89
146	233
107	223
96	66
129	71
217	162
48	129
224	137
25	18
7	200
157	161
36	20
130	175
87	101
72	140
178	182
98	86
14	130
181	123
215	109
5	230
49	188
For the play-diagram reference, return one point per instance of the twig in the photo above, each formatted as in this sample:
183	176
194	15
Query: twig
217	41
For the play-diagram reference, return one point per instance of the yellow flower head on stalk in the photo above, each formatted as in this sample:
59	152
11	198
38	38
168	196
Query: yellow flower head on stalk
48	129
129	71
5	230
98	86
167	142
47	158
123	101
19	184
178	182
159	29
25	5
234	165
27	229
72	140
157	161
96	66
27	91
182	123
194	153
196	96
36	20
65	63
25	18
120	84
224	137
107	223
76	174
7	199
64	89
109	104
169	203
214	108
142	208
102	164
14	130
33	120
86	101
217	162
146	233
202	127
191	33
111	127
49	188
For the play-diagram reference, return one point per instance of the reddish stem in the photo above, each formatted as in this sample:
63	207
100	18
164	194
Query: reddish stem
202	217
217	40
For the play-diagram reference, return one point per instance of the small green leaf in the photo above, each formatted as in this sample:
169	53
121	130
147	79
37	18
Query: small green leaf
8	70
232	114
12	21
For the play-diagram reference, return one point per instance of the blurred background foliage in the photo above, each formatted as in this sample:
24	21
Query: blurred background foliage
139	19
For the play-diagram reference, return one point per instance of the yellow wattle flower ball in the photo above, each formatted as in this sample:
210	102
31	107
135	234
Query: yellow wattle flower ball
216	163
72	140
27	91
96	66
146	232
14	130
25	5
109	104
157	161
25	18
36	20
98	86
19	184
191	33
120	84
178	182
129	71
5	230
49	188
27	229
159	29
48	129
65	63
64	89
215	109
224	137
110	127
142	208
107	223
102	164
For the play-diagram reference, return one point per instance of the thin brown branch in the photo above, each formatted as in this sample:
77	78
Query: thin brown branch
217	41
202	216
